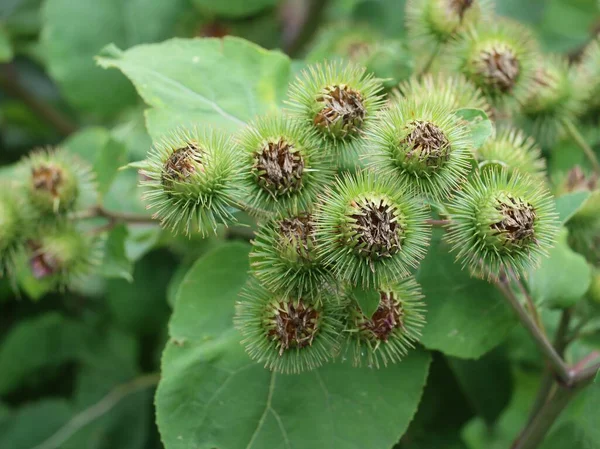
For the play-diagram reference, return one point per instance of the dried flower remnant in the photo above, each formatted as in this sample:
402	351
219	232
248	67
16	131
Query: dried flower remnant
293	325
181	164
343	111
427	145
279	167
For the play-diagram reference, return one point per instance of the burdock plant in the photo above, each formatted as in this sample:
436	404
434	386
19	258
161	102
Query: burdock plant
421	144
283	165
370	229
339	102
191	180
288	334
501	224
394	328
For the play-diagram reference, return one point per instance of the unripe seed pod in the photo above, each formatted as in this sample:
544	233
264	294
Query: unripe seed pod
338	101
370	229
422	145
553	99
192	181
431	22
392	330
288	334
283	165
62	254
451	91
512	150
284	256
57	181
499	59
501	223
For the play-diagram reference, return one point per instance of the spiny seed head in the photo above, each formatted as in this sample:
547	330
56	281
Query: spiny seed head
502	223
421	144
192	179
288	334
283	164
512	150
284	256
588	75
394	328
431	22
338	101
61	254
553	99
57	182
451	91
499	59
370	228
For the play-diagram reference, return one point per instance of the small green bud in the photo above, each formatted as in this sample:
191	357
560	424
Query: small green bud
512	150
284	256
421	144
283	165
57	181
370	229
431	22
501	223
394	328
499	59
192	180
553	99
62	254
338	101
288	334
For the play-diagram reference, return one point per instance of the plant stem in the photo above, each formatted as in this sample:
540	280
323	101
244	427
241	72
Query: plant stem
589	152
556	362
534	433
97	410
547	382
432	56
9	82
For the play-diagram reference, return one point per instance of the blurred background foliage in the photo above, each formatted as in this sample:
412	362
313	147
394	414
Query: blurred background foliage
60	354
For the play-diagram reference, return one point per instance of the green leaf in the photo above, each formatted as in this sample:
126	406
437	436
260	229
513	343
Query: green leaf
208	381
188	82
74	32
234	8
562	278
115	263
368	300
479	125
475	378
466	317
141	306
568	205
37	344
6	51
98	148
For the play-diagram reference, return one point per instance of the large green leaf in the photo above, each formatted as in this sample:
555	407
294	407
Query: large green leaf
478	124
466	317
74	32
562	278
208	381
189	82
568	205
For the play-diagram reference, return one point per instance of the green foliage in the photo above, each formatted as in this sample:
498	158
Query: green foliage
381	230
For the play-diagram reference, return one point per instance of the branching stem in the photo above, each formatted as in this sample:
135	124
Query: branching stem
588	151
